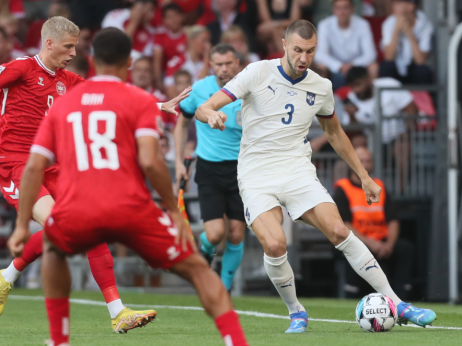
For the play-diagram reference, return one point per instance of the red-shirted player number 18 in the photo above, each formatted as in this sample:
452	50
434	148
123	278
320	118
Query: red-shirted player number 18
98	140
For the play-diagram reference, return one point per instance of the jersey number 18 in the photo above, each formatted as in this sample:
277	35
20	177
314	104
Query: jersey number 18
98	140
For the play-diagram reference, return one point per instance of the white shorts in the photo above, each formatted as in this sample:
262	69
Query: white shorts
297	192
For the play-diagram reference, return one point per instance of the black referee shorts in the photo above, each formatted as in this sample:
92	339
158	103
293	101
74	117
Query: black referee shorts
218	190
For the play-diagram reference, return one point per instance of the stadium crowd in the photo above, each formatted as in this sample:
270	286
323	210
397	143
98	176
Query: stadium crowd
361	43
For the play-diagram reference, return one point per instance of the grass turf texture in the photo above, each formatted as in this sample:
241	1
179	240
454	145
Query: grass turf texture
24	323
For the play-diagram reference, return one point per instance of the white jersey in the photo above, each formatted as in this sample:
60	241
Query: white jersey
277	112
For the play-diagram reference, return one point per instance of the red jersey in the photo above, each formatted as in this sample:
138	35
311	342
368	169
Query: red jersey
29	89
170	44
92	133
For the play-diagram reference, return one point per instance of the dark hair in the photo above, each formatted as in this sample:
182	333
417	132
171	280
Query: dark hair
223	48
181	73
171	7
4	33
112	47
355	73
303	28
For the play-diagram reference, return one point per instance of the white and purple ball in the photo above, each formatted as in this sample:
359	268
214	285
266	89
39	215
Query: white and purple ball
376	313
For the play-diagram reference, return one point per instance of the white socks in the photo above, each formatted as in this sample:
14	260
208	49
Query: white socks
364	263
115	307
10	274
282	276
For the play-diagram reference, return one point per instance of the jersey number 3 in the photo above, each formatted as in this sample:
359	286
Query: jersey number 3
98	140
290	112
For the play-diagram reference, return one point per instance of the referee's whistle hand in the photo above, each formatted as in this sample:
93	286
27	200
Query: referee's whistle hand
217	121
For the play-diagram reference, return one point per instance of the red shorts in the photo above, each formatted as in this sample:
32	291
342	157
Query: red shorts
10	179
145	229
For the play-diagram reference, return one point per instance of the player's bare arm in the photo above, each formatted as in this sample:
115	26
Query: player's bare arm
342	145
208	112
169	106
153	164
30	186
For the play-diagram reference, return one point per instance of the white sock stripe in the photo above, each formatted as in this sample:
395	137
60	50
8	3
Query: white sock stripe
228	340
66	326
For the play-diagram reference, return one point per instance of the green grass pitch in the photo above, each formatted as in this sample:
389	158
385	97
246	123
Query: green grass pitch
24	323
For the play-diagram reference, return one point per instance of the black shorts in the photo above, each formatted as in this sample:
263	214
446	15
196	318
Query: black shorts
218	190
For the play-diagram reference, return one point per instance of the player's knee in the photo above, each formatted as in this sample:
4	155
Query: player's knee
275	248
215	237
339	232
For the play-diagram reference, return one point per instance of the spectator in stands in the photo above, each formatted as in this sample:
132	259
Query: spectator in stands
345	40
90	13
196	60
165	147
275	17
227	14
376	225
6	46
136	23
79	65
377	8
406	42
169	42
236	37
182	80
33	42
11	26
361	102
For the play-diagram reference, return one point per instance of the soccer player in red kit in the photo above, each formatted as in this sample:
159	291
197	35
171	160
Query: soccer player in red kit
30	86
104	134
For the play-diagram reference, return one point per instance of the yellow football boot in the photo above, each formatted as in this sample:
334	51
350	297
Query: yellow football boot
5	288
128	319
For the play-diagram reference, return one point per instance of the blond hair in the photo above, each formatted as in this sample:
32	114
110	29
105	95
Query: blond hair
193	31
233	29
55	27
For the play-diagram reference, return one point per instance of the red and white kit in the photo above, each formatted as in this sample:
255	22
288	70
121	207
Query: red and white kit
29	89
102	195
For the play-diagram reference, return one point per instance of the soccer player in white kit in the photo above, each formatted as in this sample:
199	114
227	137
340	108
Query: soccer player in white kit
280	98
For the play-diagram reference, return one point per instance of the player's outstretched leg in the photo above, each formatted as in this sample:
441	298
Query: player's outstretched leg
214	298
102	268
56	279
32	251
326	218
267	227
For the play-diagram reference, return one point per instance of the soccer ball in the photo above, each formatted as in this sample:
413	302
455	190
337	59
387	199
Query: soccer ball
376	313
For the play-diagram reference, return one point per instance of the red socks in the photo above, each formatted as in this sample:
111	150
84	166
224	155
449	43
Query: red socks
58	317
32	251
230	328
101	265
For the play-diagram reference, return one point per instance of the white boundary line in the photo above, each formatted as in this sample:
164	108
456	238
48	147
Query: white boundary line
196	308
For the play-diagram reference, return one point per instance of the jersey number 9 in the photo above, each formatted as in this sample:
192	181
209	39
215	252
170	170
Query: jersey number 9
98	140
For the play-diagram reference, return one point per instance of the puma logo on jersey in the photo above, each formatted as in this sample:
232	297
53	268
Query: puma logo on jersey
273	90
40	81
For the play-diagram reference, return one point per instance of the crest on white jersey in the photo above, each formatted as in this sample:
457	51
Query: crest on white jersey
239	118
310	98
